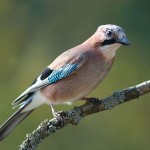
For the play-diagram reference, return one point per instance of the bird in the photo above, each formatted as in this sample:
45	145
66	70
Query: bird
71	76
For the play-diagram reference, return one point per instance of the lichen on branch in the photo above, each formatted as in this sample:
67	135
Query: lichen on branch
73	116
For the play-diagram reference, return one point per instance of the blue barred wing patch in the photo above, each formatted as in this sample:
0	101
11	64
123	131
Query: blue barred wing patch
61	73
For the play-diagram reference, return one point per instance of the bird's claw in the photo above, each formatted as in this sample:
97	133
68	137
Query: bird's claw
91	100
58	114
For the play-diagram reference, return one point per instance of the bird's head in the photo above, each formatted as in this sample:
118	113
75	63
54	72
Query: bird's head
108	38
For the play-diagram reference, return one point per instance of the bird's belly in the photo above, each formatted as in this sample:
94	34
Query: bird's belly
67	92
74	87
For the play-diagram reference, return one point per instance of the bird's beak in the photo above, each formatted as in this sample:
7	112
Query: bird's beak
123	41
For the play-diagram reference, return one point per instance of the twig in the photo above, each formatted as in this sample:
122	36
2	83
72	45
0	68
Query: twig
73	116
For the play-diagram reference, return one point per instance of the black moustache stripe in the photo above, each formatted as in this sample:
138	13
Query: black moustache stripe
108	42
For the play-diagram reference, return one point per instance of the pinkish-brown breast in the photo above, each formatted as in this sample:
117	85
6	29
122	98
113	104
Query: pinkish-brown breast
80	83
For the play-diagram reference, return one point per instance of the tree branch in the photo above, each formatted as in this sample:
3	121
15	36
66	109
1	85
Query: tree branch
73	116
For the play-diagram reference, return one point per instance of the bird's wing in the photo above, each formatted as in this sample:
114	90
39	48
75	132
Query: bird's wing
49	76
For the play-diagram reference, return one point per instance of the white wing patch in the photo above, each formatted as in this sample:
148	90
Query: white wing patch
50	78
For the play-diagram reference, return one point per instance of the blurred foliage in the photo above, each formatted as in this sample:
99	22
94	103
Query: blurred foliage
34	32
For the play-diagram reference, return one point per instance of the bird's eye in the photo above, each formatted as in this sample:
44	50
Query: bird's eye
109	33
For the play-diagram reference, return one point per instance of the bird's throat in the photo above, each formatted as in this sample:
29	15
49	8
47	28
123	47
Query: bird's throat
109	51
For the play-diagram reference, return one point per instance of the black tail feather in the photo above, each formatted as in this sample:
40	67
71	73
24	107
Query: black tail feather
13	121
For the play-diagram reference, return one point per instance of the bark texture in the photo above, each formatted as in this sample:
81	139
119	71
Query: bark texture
73	116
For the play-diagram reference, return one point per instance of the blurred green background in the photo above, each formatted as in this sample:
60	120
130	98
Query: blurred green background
34	32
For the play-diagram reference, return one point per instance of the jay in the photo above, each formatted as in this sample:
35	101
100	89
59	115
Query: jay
71	76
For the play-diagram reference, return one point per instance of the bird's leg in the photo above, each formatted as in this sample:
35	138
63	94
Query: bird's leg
56	114
53	110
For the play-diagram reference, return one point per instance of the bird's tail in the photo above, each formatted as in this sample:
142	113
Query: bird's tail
13	121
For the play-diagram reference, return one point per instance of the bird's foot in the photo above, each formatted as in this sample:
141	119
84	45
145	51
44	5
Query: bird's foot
91	100
56	114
